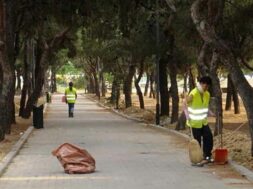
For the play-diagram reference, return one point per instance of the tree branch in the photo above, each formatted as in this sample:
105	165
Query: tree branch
244	63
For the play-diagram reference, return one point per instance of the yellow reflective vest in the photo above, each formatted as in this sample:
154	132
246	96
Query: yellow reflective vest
198	109
70	95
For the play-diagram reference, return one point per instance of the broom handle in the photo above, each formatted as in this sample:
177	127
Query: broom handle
221	137
219	130
186	112
191	132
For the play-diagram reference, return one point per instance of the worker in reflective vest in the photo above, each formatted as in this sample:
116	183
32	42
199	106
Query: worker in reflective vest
70	96
198	110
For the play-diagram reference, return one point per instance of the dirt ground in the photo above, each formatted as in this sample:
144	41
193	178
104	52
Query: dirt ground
18	130
237	141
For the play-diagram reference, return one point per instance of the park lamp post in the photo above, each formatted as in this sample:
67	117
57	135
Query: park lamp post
157	65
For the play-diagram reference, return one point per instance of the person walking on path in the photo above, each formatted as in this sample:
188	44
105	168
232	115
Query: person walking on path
198	108
71	96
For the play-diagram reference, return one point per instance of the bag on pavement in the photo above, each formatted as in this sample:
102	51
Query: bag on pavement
74	159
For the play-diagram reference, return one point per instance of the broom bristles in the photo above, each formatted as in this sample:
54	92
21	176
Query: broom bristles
195	151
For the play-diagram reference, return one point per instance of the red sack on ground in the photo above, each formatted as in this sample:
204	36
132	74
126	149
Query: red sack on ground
74	159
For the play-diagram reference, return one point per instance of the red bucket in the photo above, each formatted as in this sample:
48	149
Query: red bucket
221	156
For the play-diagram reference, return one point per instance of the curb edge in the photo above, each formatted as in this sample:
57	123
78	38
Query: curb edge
16	147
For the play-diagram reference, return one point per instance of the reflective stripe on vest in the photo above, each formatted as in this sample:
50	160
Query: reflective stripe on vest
197	114
197	117
198	111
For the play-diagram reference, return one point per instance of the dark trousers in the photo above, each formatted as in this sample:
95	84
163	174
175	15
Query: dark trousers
207	135
71	109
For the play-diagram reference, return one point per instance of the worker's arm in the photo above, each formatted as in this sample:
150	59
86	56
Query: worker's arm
189	99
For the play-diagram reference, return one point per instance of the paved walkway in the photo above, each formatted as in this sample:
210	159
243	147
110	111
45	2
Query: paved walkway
129	155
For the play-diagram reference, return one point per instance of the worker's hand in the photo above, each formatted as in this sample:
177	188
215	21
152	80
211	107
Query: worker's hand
183	95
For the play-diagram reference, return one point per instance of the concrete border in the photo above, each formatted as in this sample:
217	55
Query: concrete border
243	171
17	147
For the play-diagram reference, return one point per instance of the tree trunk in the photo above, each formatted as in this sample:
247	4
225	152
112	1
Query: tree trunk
46	82
138	88
229	94
174	91
33	98
147	85
181	122
217	93
53	81
91	86
236	102
232	94
245	90
185	83
103	85
128	86
192	83
25	83
182	119
117	94
7	61
113	93
96	81
40	69
152	91
164	87
235	99
18	79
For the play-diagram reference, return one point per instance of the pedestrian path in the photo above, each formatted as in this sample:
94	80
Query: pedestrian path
128	154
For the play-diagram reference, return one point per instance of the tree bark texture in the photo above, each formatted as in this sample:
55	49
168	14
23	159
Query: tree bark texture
138	88
128	86
103	90
96	82
152	81
164	92
18	88
147	85
26	83
232	94
192	83
229	94
53	81
7	61
174	91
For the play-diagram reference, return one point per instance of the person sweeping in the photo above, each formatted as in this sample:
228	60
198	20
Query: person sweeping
71	96
198	109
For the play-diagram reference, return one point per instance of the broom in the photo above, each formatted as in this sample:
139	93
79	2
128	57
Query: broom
195	151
